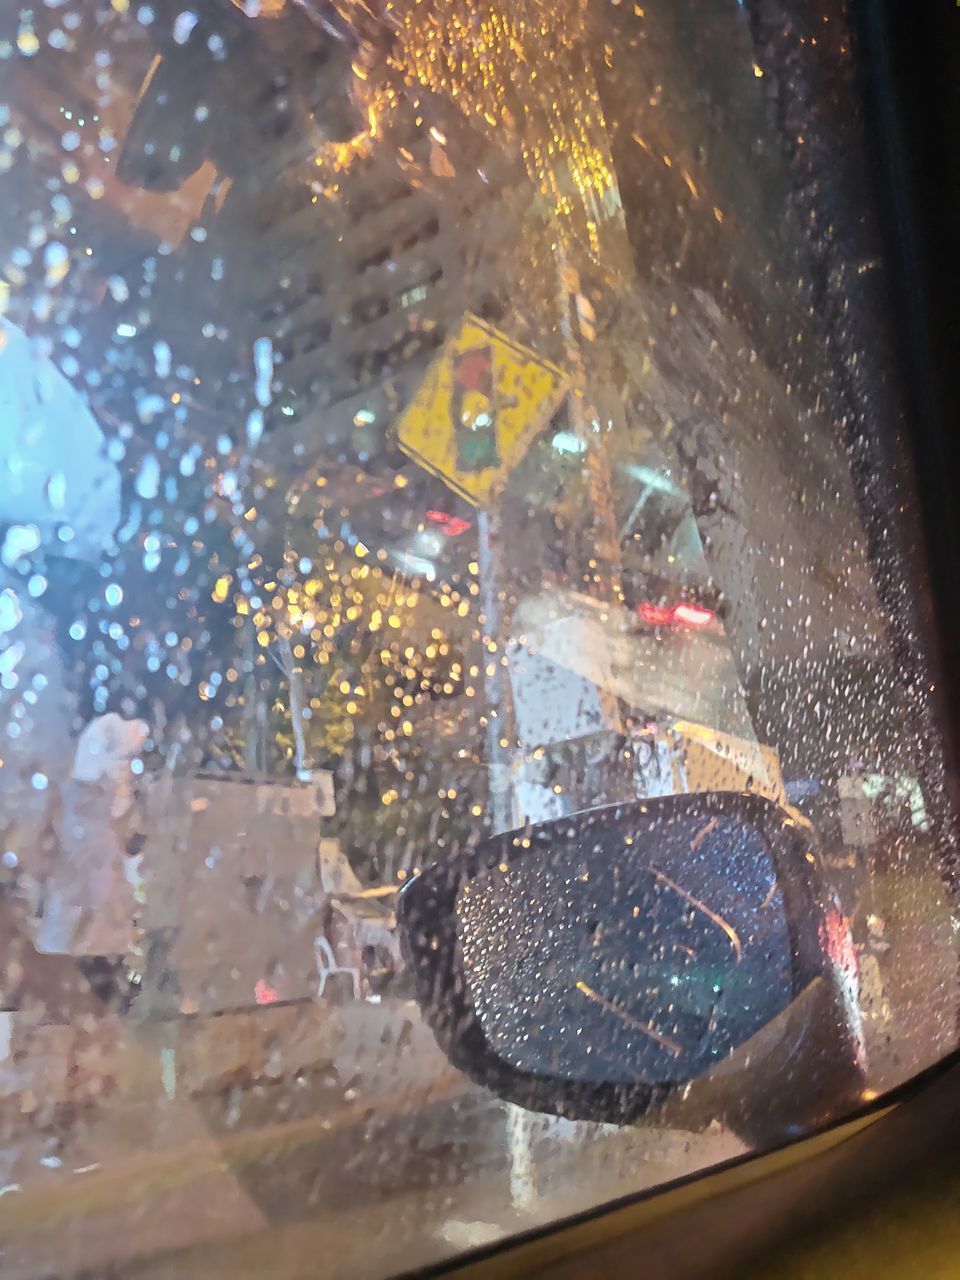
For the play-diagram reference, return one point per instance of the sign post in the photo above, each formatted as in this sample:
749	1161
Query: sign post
481	405
502	813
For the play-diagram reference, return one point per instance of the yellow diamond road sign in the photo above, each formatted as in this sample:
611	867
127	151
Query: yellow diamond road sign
482	403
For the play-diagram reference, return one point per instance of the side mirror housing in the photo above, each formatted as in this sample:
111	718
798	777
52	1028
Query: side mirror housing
679	954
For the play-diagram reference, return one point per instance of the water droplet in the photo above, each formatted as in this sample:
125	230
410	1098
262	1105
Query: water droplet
57	491
254	428
183	24
162	358
27	42
263	363
147	483
10	612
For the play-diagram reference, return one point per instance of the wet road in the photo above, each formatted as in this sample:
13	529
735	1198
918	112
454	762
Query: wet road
329	1174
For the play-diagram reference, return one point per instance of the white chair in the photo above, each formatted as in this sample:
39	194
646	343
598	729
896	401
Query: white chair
327	966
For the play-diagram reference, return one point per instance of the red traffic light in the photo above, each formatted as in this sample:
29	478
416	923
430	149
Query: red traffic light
452	526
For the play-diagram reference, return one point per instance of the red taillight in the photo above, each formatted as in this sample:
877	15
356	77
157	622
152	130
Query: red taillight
694	616
836	940
263	993
658	615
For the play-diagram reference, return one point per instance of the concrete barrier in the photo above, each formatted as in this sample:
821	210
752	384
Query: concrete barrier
120	1061
230	876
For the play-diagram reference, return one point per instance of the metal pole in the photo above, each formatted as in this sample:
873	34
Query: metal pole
252	720
582	415
294	674
495	680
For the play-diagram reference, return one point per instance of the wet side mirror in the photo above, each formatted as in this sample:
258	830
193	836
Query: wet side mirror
626	959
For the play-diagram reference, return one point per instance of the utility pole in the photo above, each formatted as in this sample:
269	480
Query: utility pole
583	416
496	683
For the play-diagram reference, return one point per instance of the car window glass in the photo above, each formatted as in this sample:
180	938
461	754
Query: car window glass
421	420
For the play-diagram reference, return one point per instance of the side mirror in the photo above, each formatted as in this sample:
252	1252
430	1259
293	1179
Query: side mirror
680	955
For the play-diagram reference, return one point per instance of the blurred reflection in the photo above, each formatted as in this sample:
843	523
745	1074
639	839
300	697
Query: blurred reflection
586	964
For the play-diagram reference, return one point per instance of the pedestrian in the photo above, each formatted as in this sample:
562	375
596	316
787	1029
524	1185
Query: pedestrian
36	717
89	902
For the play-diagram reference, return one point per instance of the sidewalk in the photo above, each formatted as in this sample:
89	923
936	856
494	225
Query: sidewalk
150	1132
356	1180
